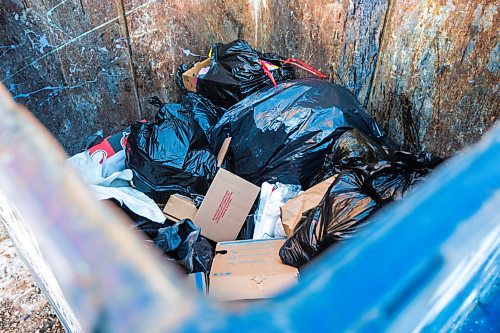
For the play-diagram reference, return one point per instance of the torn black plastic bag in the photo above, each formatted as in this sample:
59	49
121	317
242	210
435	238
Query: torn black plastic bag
183	243
170	155
203	255
175	240
283	134
235	72
343	209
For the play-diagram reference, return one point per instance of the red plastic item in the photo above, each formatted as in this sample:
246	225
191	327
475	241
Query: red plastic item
110	145
268	72
299	63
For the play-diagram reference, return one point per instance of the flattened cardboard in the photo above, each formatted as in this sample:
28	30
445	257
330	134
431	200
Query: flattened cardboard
226	206
292	211
179	207
249	269
189	76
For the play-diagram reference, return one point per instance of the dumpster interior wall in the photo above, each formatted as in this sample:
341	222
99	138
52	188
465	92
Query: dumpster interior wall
427	70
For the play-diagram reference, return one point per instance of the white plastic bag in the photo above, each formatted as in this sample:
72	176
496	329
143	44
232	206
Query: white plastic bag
267	217
115	185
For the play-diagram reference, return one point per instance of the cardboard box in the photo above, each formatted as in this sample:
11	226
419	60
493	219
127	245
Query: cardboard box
189	77
249	269
226	206
179	207
292	211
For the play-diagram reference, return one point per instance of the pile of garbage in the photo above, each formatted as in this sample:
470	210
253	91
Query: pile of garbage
253	174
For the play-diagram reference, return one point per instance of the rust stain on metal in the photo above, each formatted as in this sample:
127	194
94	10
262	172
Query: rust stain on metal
340	38
69	67
428	70
439	59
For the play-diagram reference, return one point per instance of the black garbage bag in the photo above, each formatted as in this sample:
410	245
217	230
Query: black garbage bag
424	160
352	198
236	71
203	255
353	149
246	231
343	209
170	154
391	181
204	112
178	241
283	134
182	242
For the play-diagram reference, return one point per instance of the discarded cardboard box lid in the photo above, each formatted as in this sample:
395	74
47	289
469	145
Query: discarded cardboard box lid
249	269
226	206
189	76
